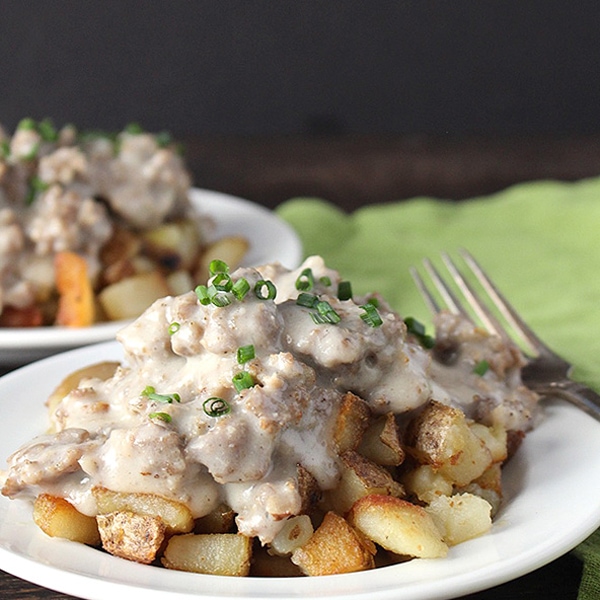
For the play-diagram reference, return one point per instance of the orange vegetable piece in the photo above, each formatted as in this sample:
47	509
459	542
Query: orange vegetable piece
76	306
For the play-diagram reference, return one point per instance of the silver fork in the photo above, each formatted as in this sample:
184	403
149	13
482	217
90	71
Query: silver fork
546	372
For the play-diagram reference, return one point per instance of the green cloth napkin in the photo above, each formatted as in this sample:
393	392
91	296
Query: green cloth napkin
538	241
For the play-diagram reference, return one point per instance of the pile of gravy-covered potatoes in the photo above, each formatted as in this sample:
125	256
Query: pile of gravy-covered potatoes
272	423
95	226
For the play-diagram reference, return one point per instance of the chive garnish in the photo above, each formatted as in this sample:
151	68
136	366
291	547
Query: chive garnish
307	300
163	416
327	312
218	266
242	381
481	368
150	393
371	315
262	285
216	407
240	288
344	290
305	280
245	353
202	294
174	327
417	329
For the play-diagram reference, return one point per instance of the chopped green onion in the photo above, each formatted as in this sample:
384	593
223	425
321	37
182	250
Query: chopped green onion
305	280
202	293
4	149
481	368
243	381
371	315
32	153
26	124
150	393
344	290
245	353
374	301
222	282
163	416
417	329
240	288
47	130
174	327
327	311
260	285
219	299
218	266
134	128
36	186
164	139
318	318
307	300
216	407
326	281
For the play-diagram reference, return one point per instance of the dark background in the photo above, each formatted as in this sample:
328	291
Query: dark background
294	67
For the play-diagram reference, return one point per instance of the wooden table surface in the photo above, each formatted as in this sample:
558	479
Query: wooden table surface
352	171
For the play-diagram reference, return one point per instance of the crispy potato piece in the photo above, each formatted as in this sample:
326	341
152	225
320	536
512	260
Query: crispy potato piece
488	486
361	477
177	517
441	436
495	439
335	547
102	370
381	442
130	297
76	304
426	483
352	420
173	245
460	517
308	488
123	244
59	518
398	526
230	249
219	520
211	553
295	533
131	536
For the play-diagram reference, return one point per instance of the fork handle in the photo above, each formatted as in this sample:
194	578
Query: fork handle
578	394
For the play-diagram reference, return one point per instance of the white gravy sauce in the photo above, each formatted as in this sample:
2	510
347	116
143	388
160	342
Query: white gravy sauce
108	433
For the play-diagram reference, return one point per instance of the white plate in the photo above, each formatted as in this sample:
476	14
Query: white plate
271	239
553	502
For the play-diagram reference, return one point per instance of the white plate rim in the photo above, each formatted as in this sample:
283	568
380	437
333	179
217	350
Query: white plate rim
527	534
271	239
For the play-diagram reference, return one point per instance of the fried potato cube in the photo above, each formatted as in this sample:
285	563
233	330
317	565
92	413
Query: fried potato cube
460	517
361	477
230	249
381	442
295	533
173	245
488	486
441	436
495	439
211	553
130	297
102	370
76	304
219	520
57	517
352	420
131	536
398	526
335	547
426	483
308	489
177	517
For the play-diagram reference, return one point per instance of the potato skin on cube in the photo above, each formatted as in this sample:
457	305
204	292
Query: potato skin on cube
352	421
131	536
57	517
209	553
398	526
335	547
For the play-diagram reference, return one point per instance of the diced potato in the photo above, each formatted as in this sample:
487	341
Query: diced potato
130	297
460	517
352	420
123	244
295	533
308	488
101	370
219	520
398	526
381	442
488	486
76	304
494	438
177	517
335	547
173	245
441	436
211	553
59	518
361	477
230	249
426	483
131	536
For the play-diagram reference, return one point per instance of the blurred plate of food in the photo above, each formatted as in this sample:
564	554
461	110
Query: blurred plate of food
95	226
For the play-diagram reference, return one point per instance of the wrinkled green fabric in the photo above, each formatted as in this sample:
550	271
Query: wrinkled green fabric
538	241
